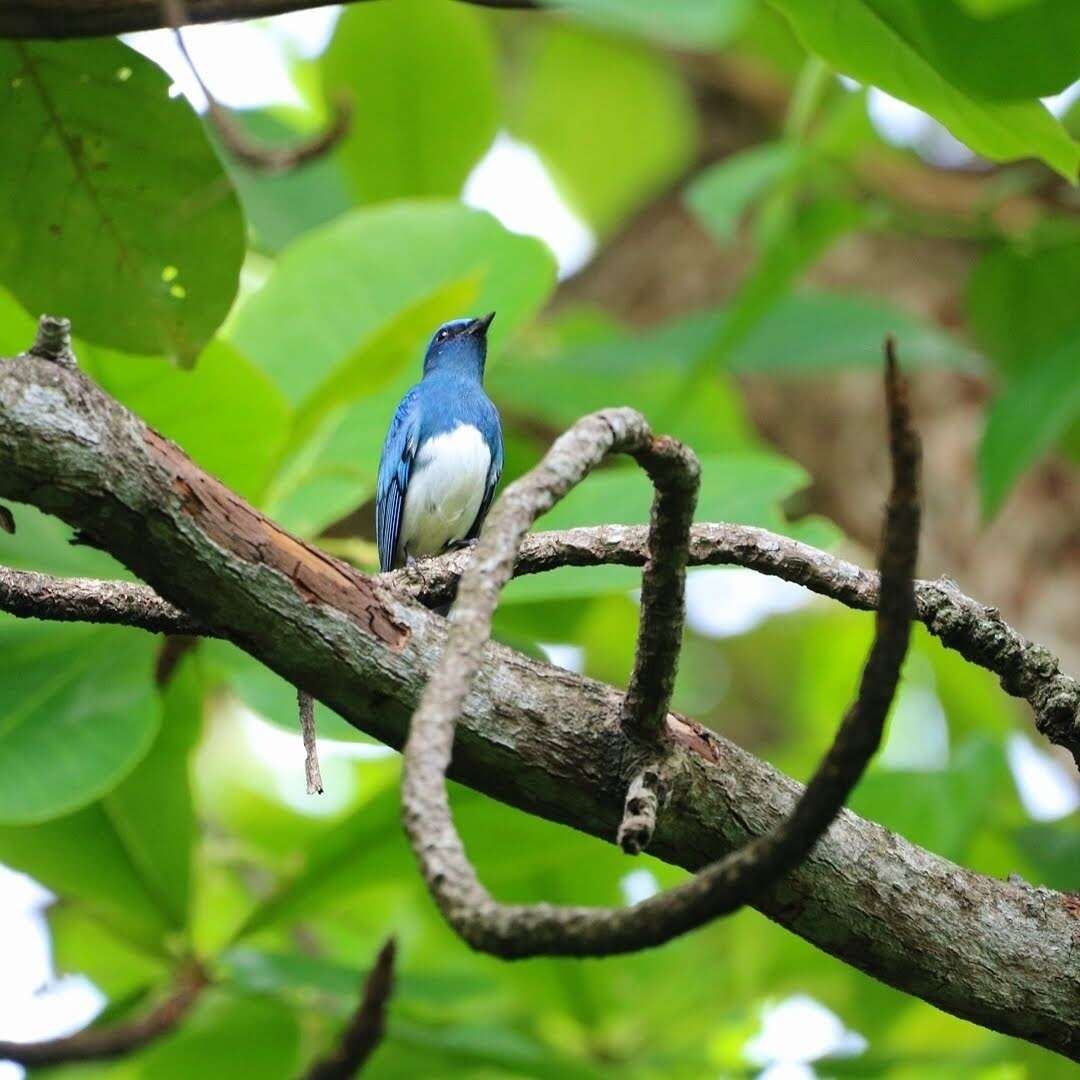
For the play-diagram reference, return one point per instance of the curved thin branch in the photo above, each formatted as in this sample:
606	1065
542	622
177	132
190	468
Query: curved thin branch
721	887
244	149
95	1044
367	1026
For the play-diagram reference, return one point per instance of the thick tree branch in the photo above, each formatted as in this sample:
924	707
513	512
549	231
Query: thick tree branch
514	930
91	18
542	739
1026	669
95	1044
368	1025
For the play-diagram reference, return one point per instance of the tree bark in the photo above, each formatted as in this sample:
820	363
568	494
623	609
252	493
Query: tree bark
1003	954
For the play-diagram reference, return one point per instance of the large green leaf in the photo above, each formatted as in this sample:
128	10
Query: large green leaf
1031	51
338	284
117	212
82	859
226	413
1022	302
422	79
1034	410
77	712
609	117
855	39
152	809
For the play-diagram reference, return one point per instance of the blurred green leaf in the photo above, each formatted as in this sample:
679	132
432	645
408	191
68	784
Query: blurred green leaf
687	24
865	46
1020	302
152	808
226	413
338	284
105	176
82	858
721	194
421	76
78	710
47	545
1030	51
1054	851
280	207
1024	421
270	695
605	163
382	355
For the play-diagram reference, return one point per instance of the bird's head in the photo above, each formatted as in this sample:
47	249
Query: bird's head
460	344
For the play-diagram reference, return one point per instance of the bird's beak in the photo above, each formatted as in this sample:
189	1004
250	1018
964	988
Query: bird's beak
479	326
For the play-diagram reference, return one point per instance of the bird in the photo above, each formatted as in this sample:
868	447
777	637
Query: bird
443	453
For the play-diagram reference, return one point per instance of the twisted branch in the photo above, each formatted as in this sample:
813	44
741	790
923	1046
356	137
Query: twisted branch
723	886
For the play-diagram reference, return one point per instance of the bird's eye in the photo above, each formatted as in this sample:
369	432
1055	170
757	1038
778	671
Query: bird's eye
442	335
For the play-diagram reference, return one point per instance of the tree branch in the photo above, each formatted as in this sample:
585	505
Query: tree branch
60	19
542	739
367	1026
95	1044
514	930
977	632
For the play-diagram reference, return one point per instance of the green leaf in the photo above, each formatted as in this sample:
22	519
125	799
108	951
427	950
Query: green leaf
280	207
1030	52
688	24
80	857
270	695
1022	302
636	135
721	194
856	40
422	78
226	413
795	245
338	284
106	178
1036	407
77	713
225	1034
45	544
152	809
1054	851
822	332
382	355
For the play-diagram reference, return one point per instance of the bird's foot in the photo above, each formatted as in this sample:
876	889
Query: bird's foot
461	545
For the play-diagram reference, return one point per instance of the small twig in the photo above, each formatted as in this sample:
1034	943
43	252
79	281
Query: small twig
311	749
367	1026
528	930
53	341
248	151
95	1044
644	798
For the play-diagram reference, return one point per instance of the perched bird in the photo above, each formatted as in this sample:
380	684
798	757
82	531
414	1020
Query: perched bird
443	453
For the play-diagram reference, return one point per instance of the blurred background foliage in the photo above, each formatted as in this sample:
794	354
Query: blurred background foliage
756	192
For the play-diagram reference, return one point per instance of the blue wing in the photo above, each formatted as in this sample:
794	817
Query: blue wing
493	433
398	453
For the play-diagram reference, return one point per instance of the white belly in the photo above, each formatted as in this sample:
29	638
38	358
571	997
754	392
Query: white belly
446	488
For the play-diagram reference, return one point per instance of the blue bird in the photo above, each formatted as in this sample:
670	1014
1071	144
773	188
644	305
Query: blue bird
443	454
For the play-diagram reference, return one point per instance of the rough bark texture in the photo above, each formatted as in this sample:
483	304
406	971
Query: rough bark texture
90	18
1001	953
